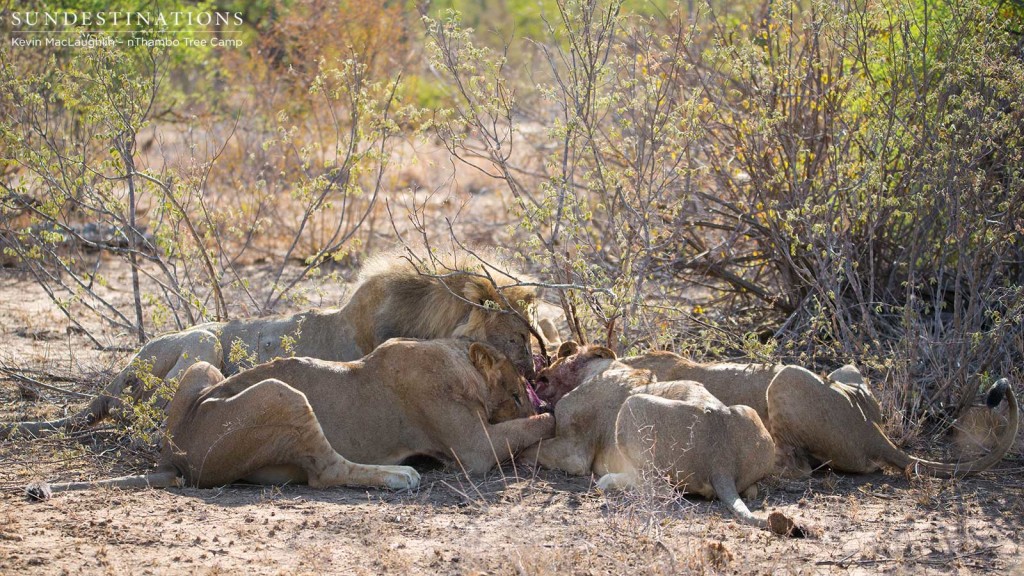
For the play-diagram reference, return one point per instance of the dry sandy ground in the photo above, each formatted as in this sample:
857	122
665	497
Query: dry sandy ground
515	520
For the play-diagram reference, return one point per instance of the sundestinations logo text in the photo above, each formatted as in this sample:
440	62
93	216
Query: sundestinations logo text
127	19
81	29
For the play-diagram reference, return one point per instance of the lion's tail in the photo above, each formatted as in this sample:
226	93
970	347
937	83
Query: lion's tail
777	522
34	429
165	477
98	409
1005	441
725	489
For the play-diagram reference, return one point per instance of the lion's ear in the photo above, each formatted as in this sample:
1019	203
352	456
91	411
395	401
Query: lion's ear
567	349
482	356
526	296
601	352
478	291
848	375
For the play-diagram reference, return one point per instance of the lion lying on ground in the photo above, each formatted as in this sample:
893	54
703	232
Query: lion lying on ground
392	300
838	423
615	421
812	422
732	383
308	420
979	427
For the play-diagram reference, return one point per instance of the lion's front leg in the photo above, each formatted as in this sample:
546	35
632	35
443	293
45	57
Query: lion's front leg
342	472
569	454
496	443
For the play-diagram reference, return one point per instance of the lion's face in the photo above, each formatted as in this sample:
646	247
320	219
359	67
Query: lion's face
509	334
515	402
508	398
566	372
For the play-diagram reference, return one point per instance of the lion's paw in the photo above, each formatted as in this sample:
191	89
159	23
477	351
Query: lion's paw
615	481
401	478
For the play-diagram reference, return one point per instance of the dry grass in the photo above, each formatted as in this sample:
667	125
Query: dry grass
533	522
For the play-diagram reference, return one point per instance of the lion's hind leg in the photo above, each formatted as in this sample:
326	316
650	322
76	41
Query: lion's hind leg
268	432
164	358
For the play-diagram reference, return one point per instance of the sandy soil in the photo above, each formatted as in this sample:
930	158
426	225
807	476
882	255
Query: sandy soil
515	520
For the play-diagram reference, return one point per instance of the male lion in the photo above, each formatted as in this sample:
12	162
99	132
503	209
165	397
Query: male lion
309	420
837	424
613	420
392	299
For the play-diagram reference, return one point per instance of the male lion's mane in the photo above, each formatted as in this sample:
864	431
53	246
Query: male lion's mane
449	301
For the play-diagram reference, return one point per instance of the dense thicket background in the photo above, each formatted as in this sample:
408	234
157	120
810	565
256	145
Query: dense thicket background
812	182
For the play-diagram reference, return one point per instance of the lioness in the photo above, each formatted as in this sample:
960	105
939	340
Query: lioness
732	383
837	424
979	427
613	420
392	300
308	420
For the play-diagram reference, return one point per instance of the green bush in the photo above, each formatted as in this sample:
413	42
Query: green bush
814	183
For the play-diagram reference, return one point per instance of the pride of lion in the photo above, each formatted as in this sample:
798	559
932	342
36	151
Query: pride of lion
442	365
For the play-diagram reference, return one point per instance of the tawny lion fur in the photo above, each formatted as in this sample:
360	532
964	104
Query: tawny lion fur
978	430
392	300
308	420
836	421
614	421
732	383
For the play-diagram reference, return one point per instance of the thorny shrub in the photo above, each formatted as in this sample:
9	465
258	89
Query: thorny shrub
801	181
189	164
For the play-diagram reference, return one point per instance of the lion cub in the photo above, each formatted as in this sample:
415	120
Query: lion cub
732	383
615	421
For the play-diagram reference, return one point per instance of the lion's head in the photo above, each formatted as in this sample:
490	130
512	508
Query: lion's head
395	299
565	372
507	397
500	318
